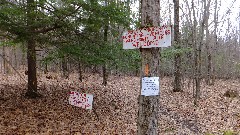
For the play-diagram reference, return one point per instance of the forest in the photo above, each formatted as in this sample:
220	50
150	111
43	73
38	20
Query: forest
66	68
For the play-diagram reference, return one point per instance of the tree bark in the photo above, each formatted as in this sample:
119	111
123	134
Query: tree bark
105	38
31	54
15	61
105	75
7	59
194	42
65	67
80	71
209	59
209	55
198	51
177	57
45	67
198	60
215	39
32	72
4	60
147	123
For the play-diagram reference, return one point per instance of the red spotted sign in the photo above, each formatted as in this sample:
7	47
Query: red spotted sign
147	37
82	100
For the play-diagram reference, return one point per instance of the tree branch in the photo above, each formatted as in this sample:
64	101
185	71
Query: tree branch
45	30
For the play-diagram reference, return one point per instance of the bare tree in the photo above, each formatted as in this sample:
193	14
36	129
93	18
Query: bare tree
212	73
209	56
177	64
194	38
198	49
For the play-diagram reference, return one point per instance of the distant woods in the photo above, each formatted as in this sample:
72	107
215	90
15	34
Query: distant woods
85	37
63	36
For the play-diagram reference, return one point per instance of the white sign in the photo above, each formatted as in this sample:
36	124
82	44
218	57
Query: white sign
150	86
147	37
82	100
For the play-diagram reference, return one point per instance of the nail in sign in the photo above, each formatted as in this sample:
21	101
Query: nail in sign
150	86
82	100
147	37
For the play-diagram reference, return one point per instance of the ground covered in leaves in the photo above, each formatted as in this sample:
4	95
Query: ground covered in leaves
115	107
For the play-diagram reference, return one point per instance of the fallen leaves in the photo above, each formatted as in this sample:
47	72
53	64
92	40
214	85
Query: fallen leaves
115	107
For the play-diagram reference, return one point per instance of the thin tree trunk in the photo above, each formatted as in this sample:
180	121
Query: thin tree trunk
80	71
209	63
105	38
15	57
65	67
4	60
198	52
194	39
45	67
23	60
209	59
105	75
177	57
1	64
147	122
7	60
209	67
209	56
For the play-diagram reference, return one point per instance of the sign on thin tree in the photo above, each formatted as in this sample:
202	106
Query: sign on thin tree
149	38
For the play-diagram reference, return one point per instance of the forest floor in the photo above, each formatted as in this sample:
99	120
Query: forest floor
115	107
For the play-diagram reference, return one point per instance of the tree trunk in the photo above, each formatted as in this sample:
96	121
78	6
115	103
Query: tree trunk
45	67
7	60
215	39
209	62
32	72
194	42
4	60
209	55
209	67
31	54
177	57
65	67
23	60
15	60
80	71
105	75
198	60
104	66
147	123
198	51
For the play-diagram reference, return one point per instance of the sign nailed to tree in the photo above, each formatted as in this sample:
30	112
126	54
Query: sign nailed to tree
150	86
147	37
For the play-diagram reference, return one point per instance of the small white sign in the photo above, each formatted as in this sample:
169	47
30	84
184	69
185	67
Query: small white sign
147	37
82	100
150	86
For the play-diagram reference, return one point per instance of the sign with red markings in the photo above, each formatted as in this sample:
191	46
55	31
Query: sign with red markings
82	100
147	37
